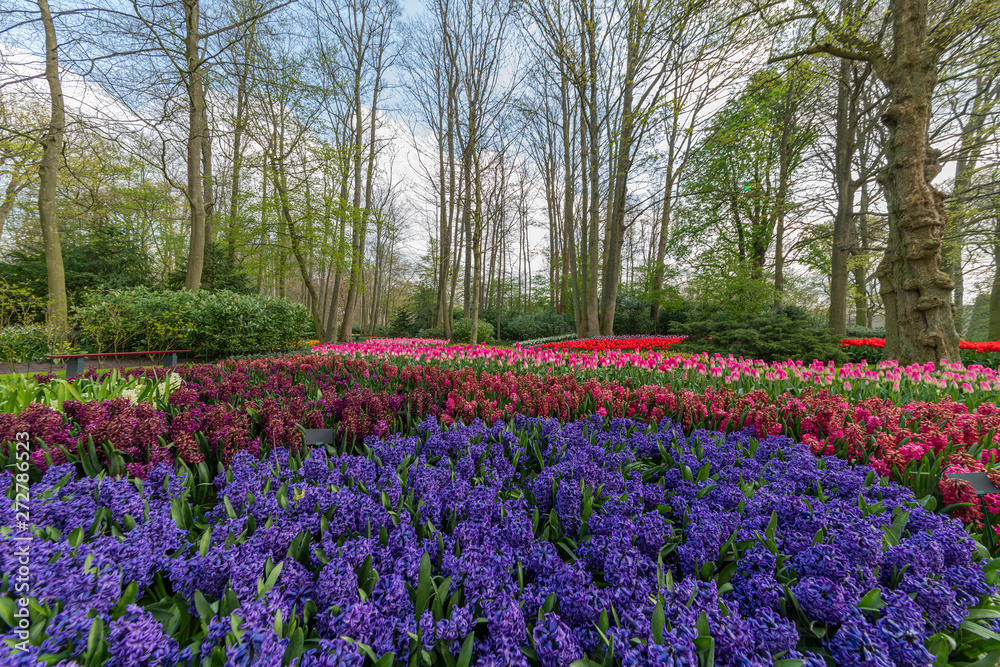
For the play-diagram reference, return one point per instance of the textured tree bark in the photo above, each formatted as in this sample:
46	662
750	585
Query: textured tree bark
920	324
57	313
234	190
14	186
965	166
994	327
844	154
593	125
467	226
207	177
331	317
615	234
860	274
661	244
196	117
780	209
357	247
569	185
281	189
477	235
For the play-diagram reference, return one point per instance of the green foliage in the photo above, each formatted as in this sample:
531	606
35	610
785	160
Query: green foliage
25	342
220	272
773	335
462	332
675	314
108	259
20	305
211	324
632	316
402	325
978	319
854	331
519	325
432	332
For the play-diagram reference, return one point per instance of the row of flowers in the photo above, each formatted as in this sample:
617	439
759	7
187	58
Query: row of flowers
613	343
223	409
971	385
989	346
538	543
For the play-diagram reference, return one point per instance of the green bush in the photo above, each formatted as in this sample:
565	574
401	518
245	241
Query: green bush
517	326
402	323
220	272
774	335
25	342
854	331
210	324
431	332
108	258
632	316
462	332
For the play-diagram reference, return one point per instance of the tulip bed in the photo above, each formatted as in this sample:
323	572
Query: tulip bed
611	343
983	354
484	505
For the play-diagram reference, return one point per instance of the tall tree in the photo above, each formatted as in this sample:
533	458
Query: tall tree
57	314
920	321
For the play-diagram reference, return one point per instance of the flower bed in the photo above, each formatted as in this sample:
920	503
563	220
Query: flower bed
223	409
990	346
918	382
613	343
538	543
973	354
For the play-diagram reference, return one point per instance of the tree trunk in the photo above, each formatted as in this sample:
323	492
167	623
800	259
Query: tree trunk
57	313
9	199
569	184
331	317
919	315
196	115
357	244
281	190
965	166
467	225
477	254
593	326
234	194
784	185
615	234
445	234
843	158
994	326
661	246
860	274
207	177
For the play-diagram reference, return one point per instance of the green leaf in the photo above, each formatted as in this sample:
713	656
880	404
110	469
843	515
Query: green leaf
872	600
205	611
7	609
423	584
465	656
271	580
206	541
657	622
95	638
979	631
